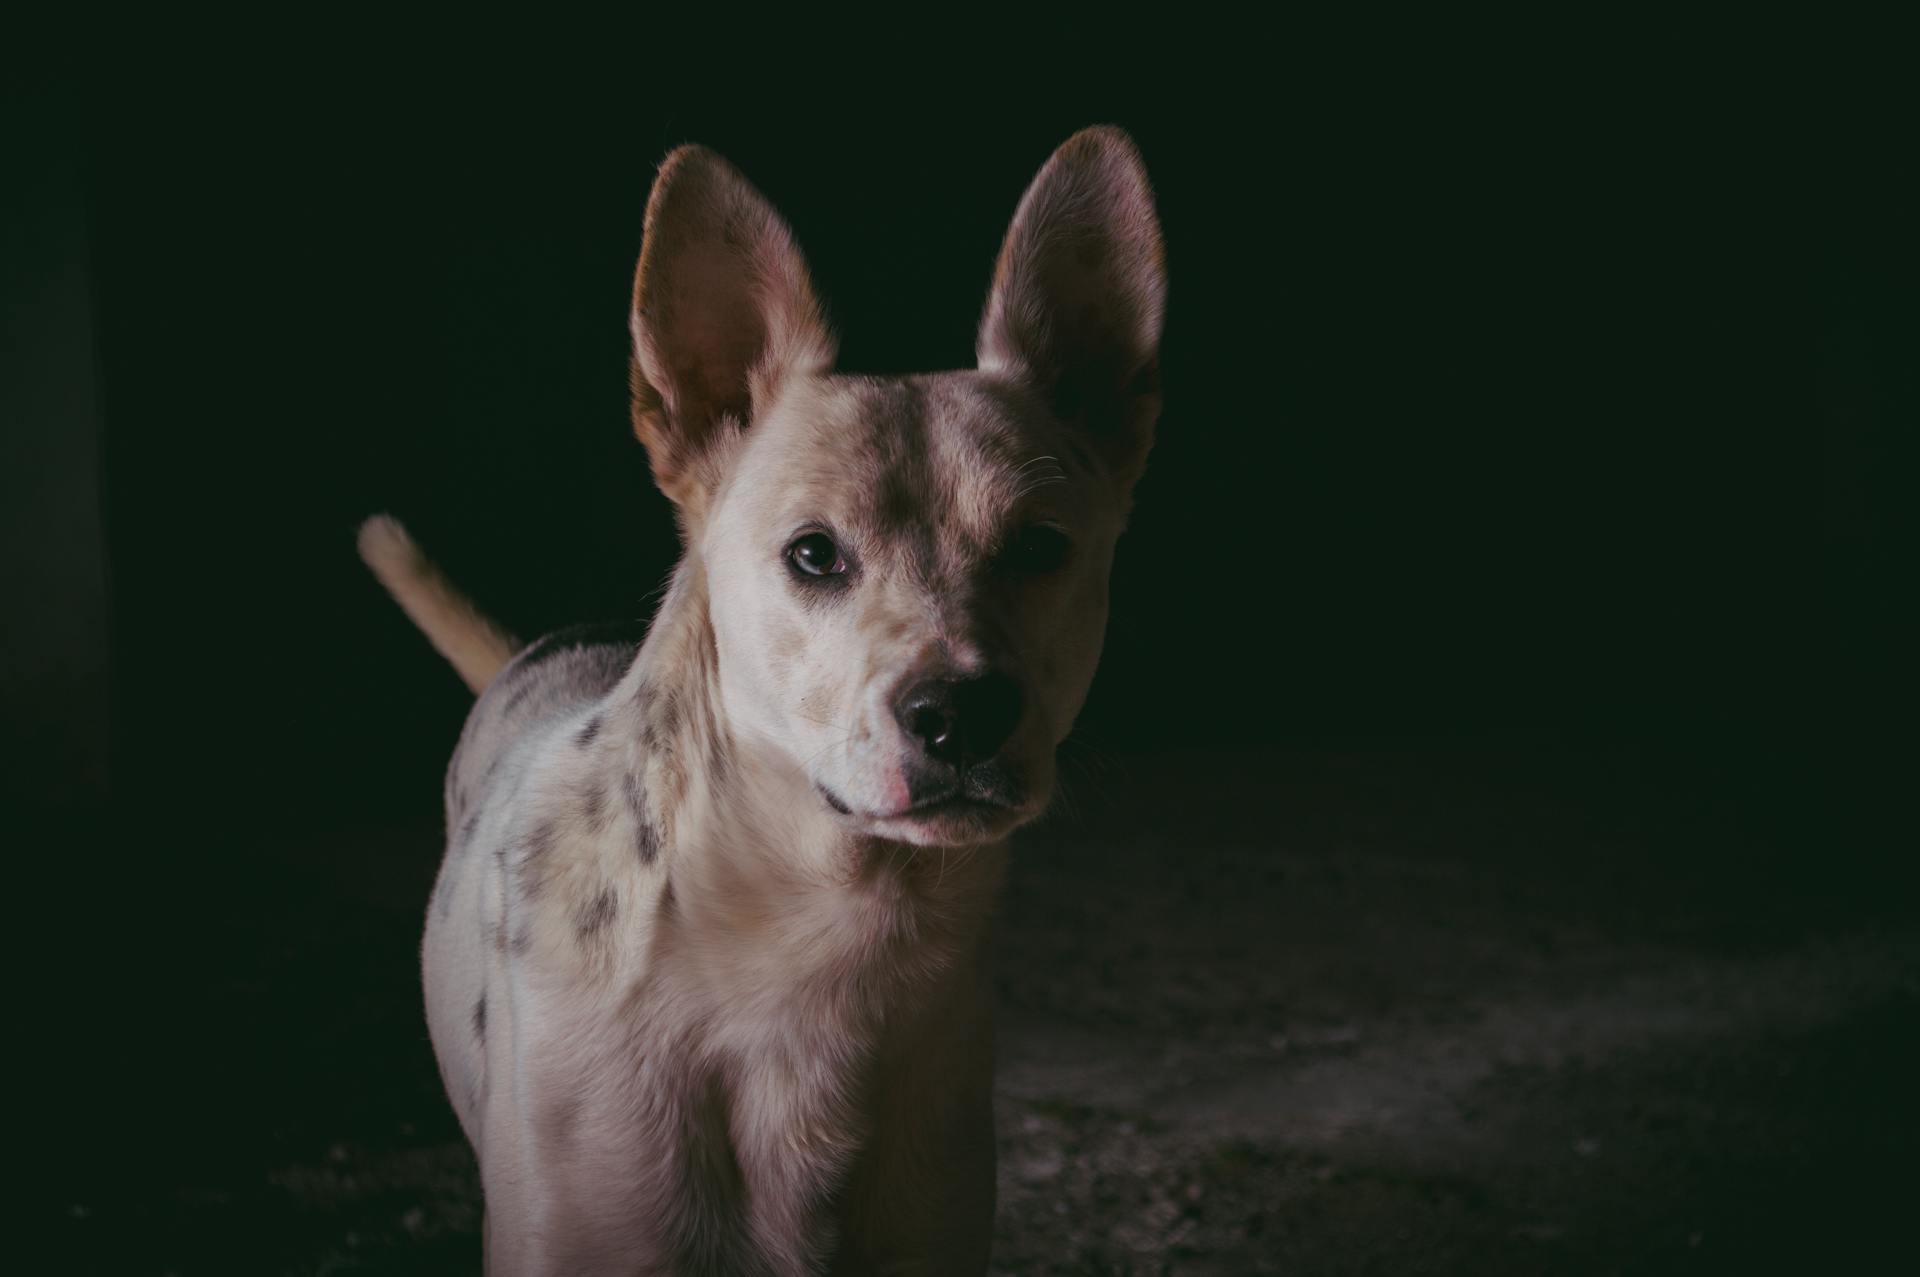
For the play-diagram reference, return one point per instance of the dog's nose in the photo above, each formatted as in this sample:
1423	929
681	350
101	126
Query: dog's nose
960	721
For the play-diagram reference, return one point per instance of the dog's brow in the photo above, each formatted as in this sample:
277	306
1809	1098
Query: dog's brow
1036	473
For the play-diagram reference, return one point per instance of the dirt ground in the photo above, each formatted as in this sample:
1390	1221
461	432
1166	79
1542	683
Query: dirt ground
1362	1013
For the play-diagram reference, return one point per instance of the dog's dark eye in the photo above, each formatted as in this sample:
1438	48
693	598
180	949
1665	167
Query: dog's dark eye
815	554
1036	550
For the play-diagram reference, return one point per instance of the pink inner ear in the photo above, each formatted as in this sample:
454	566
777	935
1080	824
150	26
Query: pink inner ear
1079	295
713	331
1081	314
1081	284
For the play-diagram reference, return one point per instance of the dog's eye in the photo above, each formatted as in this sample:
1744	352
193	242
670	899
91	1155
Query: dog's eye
815	554
1036	550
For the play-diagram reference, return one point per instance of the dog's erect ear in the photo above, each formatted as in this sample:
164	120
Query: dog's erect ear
1079	293
723	310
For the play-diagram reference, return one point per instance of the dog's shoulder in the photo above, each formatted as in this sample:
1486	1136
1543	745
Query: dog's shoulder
564	669
545	796
549	682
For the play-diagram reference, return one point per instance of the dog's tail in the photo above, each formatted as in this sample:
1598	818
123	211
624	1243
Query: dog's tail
476	646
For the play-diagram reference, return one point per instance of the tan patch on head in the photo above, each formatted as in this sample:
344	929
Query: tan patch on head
922	482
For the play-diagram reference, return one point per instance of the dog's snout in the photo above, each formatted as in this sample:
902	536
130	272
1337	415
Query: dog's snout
960	721
929	715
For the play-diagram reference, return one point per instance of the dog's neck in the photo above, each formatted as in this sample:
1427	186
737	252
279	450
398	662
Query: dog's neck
751	851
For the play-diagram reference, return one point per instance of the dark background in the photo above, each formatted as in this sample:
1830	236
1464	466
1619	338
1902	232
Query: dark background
1531	397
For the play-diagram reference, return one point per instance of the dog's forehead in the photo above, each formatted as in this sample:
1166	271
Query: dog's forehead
952	450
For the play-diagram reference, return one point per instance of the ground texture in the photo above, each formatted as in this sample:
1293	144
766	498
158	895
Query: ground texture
1331	1013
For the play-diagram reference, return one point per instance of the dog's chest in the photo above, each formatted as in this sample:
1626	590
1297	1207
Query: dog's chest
721	1075
671	1024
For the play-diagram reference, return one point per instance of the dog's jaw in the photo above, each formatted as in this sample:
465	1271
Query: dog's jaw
952	824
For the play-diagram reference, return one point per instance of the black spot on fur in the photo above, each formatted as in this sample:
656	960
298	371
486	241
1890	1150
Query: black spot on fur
586	734
593	806
480	1018
645	841
521	942
597	914
517	697
534	854
669	903
659	717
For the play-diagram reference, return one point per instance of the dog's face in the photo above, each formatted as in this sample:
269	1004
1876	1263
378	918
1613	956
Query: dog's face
907	576
908	585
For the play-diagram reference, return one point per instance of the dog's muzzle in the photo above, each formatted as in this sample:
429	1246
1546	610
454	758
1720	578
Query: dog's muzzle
960	722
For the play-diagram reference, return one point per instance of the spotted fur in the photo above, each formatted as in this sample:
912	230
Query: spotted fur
703	979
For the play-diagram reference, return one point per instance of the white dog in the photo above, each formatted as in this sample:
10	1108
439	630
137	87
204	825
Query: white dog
703	965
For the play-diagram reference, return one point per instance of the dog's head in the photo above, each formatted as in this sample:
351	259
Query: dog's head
907	576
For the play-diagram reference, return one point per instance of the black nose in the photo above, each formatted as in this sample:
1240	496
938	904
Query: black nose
963	721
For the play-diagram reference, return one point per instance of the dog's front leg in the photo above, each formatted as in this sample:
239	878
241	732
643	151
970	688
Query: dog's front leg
920	1198
558	1169
541	1227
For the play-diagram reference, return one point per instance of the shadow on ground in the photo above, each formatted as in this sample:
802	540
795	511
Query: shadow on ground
1367	1013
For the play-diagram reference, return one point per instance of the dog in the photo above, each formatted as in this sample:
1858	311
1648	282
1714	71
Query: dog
704	960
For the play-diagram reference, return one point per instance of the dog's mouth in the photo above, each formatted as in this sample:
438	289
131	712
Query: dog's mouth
954	803
983	800
951	803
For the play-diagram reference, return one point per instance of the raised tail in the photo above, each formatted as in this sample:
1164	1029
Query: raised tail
477	647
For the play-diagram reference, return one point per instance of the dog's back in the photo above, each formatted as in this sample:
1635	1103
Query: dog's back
552	682
546	692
